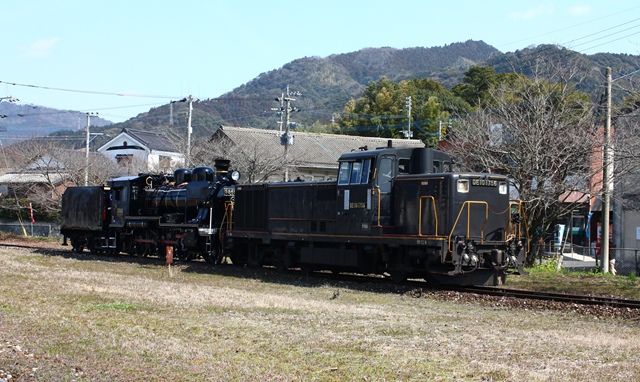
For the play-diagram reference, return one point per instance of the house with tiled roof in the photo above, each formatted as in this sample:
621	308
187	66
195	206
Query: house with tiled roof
157	152
310	156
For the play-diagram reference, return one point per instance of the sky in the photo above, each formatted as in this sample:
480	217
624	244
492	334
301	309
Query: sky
121	58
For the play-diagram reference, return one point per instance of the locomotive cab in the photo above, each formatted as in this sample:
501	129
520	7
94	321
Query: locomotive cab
366	180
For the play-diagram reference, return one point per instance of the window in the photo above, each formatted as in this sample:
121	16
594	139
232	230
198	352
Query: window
403	166
344	174
358	172
437	166
366	171
385	174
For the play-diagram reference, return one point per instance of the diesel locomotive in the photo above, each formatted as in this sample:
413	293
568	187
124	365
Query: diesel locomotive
398	212
392	211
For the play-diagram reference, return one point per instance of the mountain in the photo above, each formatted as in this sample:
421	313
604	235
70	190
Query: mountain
20	122
588	70
326	84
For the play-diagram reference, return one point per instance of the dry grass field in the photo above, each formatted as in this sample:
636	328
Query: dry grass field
68	317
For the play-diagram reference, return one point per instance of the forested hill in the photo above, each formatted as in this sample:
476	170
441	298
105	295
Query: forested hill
326	84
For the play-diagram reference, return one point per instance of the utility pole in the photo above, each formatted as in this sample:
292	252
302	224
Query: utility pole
86	154
280	111
190	100
189	131
607	186
286	139
408	134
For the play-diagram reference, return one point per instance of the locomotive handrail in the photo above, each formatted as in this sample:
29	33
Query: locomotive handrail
518	227
467	205
373	190
435	214
228	215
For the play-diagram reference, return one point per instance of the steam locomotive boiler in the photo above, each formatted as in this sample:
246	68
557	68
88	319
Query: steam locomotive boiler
185	215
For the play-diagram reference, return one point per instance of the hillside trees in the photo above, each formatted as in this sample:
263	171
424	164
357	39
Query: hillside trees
382	110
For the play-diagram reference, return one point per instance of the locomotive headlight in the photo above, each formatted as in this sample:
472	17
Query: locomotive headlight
463	185
502	188
235	175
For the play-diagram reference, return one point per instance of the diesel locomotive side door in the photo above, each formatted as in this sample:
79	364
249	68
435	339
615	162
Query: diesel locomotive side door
354	197
385	173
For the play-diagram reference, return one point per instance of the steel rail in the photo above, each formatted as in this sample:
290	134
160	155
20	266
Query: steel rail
614	302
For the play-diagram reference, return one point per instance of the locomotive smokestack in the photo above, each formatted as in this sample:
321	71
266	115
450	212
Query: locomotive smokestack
221	165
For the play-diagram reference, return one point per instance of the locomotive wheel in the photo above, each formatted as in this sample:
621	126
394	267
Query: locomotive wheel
141	250
280	259
398	276
214	255
182	252
212	258
238	255
77	245
186	255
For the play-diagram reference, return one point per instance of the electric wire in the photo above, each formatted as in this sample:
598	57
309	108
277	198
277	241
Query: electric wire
122	94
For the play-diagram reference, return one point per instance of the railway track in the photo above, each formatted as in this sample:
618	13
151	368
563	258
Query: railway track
611	302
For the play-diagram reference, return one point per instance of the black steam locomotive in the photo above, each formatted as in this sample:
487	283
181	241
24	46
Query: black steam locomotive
398	212
184	215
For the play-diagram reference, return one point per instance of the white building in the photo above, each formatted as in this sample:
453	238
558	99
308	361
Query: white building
157	152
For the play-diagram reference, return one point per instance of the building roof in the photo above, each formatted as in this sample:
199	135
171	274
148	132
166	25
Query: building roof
311	149
13	178
149	139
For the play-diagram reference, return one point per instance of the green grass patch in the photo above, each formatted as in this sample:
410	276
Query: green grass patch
120	306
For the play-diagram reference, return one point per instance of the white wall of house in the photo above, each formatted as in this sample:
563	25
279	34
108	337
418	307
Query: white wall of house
164	160
631	229
155	160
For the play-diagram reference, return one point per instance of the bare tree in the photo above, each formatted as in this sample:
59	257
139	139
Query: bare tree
539	131
257	161
52	169
626	122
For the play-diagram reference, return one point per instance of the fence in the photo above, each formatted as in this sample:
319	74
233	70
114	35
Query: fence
31	229
627	260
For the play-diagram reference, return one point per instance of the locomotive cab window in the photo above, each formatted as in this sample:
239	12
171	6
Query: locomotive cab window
357	172
120	193
437	166
366	171
345	173
403	165
385	174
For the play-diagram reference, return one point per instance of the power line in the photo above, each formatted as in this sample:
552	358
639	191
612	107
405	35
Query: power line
572	26
87	91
